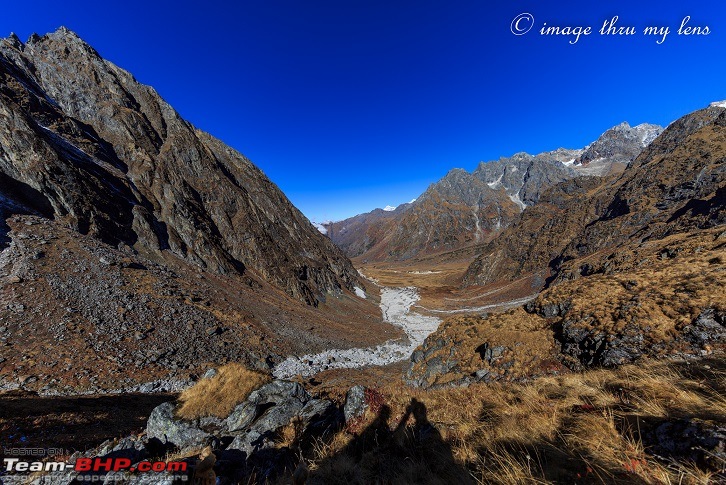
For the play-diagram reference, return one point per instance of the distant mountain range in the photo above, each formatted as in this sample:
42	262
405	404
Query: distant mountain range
464	209
625	266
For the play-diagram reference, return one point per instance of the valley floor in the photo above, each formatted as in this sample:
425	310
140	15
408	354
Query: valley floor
654	422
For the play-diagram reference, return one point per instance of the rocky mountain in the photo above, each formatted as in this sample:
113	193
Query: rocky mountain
616	148
634	265
582	216
86	144
464	209
136	249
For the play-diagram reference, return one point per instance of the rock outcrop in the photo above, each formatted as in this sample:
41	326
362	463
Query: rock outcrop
248	446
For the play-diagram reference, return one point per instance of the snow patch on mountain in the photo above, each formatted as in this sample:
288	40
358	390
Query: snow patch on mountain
719	104
497	183
647	133
517	200
320	226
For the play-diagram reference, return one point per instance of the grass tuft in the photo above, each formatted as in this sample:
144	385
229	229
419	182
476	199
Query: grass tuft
218	395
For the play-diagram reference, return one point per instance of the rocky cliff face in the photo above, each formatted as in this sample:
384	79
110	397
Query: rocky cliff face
83	142
616	148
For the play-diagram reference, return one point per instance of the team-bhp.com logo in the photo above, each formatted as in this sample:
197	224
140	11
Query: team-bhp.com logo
90	468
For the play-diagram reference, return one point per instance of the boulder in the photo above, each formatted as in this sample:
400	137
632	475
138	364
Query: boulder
242	415
708	327
256	422
689	440
355	403
164	426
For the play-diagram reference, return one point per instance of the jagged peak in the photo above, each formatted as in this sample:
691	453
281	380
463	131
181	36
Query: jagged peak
14	41
456	171
68	36
519	156
64	31
61	34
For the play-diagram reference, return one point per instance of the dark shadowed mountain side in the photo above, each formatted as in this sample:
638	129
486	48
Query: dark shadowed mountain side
464	209
84	143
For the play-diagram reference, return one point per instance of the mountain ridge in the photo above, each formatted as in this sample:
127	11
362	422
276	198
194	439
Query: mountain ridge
122	138
468	208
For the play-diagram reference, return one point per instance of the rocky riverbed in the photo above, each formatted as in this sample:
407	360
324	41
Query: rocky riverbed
395	306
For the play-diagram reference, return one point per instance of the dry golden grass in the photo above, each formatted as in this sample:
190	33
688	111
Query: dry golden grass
573	428
577	427
217	396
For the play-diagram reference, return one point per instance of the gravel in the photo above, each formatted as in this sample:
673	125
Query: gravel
395	307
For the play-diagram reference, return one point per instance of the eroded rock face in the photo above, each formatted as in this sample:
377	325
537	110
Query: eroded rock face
84	142
619	145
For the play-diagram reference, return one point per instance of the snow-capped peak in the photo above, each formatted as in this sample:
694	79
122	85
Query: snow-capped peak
719	104
320	226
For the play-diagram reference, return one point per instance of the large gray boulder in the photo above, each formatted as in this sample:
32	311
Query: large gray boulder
355	403
164	426
256	422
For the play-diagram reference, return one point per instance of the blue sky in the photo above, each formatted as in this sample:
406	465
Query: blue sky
349	105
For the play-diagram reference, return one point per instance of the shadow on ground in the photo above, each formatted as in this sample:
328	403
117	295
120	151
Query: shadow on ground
413	452
72	423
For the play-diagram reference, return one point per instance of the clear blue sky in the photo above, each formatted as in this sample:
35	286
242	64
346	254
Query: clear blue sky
349	105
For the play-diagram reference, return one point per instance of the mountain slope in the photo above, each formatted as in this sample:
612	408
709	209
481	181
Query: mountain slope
464	209
636	262
82	141
649	199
